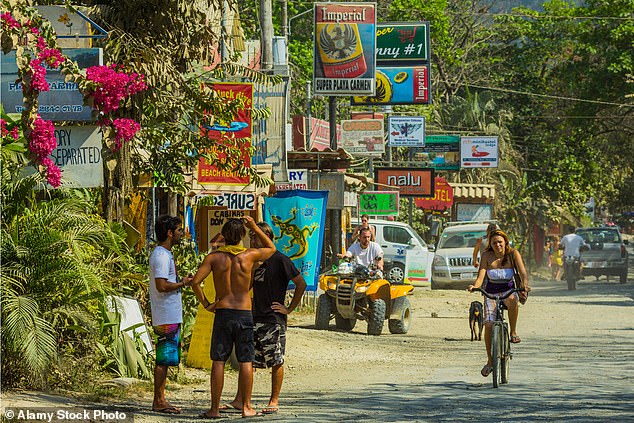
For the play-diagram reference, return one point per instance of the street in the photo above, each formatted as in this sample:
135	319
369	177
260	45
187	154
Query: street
575	363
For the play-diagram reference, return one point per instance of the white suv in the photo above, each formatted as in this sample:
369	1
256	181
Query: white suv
453	264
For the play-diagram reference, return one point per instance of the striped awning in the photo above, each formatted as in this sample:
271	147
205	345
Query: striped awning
473	191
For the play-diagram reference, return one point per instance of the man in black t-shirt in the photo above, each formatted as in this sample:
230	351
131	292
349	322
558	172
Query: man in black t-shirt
270	282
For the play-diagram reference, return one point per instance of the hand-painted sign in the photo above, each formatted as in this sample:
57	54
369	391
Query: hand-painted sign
298	178
63	101
406	131
478	152
398	42
363	137
78	155
344	56
442	199
399	85
239	128
411	182
234	200
442	152
379	203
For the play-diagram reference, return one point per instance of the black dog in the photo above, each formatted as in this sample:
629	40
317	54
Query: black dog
476	317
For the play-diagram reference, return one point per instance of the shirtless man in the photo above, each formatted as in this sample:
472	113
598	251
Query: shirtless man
231	266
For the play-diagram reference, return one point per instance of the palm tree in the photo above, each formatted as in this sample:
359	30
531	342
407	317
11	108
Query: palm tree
58	264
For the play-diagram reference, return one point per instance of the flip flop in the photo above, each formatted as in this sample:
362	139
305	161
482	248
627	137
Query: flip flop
229	408
270	410
515	339
170	409
486	370
258	414
206	416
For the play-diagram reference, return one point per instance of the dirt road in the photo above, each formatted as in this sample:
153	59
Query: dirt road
575	362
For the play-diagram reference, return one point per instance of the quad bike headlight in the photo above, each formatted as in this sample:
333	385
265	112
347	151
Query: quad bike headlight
362	288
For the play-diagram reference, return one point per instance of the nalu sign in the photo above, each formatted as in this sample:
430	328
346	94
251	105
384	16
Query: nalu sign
410	181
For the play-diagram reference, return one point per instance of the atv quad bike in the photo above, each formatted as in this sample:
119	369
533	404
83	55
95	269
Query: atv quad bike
354	293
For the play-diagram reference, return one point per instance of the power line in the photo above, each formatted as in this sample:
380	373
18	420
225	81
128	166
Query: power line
556	97
544	16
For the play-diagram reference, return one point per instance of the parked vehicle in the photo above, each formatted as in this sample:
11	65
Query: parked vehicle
452	267
355	292
607	254
406	254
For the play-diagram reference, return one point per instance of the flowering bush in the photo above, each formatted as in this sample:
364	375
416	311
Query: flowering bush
112	86
108	86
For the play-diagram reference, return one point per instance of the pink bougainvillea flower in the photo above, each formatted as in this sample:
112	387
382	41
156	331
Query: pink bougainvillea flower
125	129
38	75
8	21
53	173
113	86
43	140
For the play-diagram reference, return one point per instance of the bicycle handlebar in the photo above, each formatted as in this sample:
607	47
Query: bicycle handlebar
495	296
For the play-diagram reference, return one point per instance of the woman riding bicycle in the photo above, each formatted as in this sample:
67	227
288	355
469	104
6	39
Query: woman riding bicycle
496	273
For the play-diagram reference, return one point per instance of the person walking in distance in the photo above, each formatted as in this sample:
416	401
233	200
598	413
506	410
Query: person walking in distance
270	282
232	265
166	305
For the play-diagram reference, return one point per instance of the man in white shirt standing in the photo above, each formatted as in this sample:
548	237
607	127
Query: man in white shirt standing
365	251
167	307
572	245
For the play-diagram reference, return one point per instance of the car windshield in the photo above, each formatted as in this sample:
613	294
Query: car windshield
602	235
465	239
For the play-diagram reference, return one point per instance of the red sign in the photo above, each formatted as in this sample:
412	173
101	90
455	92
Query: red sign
239	127
410	181
442	199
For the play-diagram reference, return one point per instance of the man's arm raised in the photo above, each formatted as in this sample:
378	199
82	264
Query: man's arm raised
201	274
268	248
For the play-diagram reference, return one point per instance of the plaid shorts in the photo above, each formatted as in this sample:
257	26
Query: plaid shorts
270	345
489	307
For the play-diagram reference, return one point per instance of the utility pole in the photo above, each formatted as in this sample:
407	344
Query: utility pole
266	34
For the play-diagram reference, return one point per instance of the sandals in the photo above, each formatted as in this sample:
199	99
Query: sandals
515	339
486	370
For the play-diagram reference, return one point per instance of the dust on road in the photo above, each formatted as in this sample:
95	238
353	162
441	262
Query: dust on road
575	362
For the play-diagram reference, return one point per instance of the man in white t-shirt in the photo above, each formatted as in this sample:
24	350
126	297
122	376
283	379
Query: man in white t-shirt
166	305
365	251
572	244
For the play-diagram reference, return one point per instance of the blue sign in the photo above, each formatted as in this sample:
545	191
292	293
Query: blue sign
63	101
297	218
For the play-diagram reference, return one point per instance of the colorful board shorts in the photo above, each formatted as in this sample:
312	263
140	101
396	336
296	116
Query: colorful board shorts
489	306
232	327
168	344
270	345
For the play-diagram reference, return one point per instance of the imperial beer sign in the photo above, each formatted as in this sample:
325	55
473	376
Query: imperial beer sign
410	181
345	49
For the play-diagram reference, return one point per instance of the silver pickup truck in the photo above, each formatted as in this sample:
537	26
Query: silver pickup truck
607	255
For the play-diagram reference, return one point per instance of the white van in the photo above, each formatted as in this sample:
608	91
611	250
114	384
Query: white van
453	264
406	254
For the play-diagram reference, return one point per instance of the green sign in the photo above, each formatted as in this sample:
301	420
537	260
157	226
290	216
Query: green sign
379	203
402	42
442	152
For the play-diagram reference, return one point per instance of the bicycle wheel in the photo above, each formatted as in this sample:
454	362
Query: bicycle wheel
496	348
505	360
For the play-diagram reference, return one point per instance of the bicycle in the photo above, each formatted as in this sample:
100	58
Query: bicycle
500	343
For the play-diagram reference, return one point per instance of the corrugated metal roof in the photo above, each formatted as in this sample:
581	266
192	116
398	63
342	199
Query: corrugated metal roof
473	191
317	160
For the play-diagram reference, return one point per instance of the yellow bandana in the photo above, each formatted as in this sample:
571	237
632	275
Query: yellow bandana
232	249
